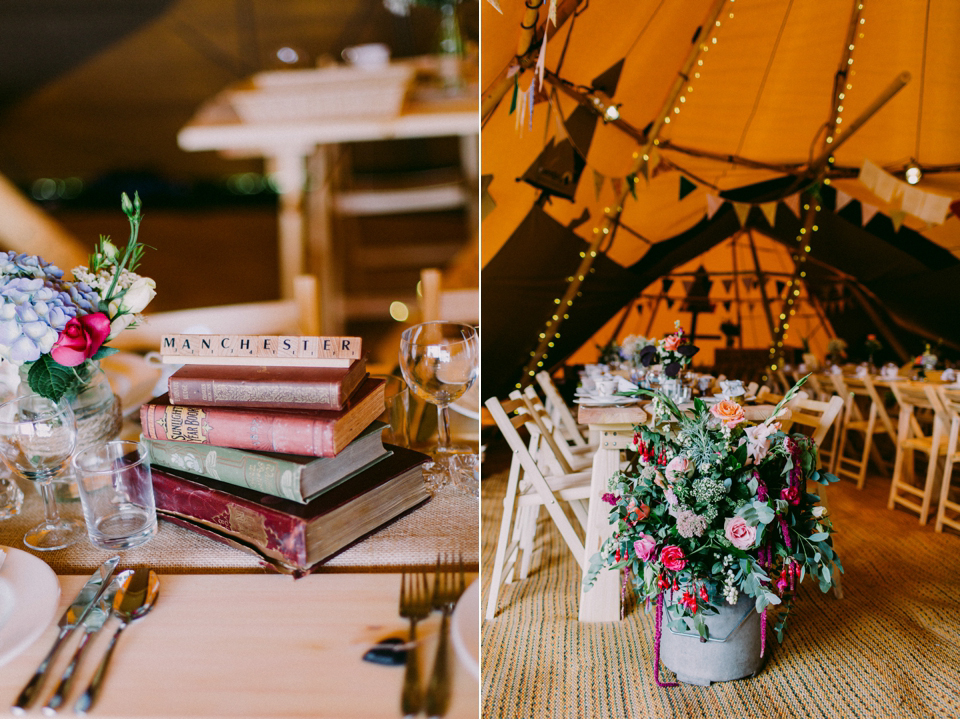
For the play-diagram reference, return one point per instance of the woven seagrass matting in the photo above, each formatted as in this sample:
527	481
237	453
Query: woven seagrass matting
890	648
447	523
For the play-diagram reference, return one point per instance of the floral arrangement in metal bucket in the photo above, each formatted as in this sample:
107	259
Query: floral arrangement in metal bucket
53	326
714	506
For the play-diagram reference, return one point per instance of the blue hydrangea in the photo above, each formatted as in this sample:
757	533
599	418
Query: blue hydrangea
35	306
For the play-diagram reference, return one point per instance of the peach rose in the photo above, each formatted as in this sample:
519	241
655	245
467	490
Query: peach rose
678	467
728	412
671	343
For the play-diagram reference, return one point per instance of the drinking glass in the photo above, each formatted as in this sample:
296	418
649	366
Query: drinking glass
440	361
37	437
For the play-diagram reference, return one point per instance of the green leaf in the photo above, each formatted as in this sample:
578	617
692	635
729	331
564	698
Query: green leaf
818	537
104	351
51	380
764	513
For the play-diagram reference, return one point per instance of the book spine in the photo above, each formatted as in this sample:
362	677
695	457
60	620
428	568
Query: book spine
270	475
275	533
238	428
243	393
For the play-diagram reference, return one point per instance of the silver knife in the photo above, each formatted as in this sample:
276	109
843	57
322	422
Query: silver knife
92	624
70	620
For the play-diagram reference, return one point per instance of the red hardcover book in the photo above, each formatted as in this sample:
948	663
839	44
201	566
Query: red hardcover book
316	433
271	387
291	535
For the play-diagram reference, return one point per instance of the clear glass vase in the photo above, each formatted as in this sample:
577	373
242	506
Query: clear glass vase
450	48
99	418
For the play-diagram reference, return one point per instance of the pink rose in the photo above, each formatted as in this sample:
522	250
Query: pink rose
645	548
728	412
672	558
741	534
80	339
672	342
791	495
678	467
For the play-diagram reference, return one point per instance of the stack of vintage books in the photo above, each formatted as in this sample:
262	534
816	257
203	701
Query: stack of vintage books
272	444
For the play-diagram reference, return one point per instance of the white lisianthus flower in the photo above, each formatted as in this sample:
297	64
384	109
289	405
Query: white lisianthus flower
120	324
138	295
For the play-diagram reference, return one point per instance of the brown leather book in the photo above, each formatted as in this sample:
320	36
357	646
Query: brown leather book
229	385
317	433
294	537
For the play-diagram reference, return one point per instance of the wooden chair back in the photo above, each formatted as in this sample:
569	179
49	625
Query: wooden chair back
297	316
950	399
437	303
815	415
558	409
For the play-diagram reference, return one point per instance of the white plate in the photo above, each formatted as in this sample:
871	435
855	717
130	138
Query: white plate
31	598
605	401
132	378
465	629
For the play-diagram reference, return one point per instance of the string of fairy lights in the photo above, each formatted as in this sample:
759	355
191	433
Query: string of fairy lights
677	99
811	197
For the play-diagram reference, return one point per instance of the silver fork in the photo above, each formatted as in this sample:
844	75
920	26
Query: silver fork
448	585
414	605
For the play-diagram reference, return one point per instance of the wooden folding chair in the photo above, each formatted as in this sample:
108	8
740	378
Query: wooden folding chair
554	448
912	438
818	417
559	411
950	399
440	303
528	488
858	394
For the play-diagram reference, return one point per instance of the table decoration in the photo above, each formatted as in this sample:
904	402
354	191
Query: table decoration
714	513
672	353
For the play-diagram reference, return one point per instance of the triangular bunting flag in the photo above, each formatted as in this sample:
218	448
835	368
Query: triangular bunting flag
897	219
686	187
487	203
670	302
632	185
617	184
542	61
552	13
843	199
727	304
781	286
639	308
769	210
742	209
955	208
666	284
713	204
747	283
598	179
496	5
750	306
687	284
727	284
867	212
793	202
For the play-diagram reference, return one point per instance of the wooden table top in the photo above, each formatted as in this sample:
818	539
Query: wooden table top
250	646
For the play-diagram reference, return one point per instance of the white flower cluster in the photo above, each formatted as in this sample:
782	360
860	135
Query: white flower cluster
131	295
729	590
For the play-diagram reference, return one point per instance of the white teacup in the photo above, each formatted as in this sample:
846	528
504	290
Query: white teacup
370	55
607	387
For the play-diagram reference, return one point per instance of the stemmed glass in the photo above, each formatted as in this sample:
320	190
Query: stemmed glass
37	437
440	361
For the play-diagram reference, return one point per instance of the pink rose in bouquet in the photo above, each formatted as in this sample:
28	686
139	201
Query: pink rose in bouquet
741	534
80	339
678	467
673	558
645	548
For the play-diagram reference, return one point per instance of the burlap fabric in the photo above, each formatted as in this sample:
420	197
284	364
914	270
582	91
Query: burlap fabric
446	523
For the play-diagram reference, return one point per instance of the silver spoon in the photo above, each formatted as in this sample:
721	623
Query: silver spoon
92	623
131	602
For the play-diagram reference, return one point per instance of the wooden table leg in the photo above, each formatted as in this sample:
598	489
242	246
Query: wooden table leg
601	603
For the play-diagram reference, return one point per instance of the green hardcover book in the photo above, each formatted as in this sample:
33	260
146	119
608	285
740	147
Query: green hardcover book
291	476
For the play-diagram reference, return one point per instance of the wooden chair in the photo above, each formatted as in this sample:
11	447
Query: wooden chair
299	316
437	303
950	399
559	411
911	438
556	450
858	394
528	488
817	418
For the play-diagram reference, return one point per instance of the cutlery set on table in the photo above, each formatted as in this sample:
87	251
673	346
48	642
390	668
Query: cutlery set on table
416	603
127	595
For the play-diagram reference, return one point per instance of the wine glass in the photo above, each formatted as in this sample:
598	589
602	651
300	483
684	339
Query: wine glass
440	361
37	437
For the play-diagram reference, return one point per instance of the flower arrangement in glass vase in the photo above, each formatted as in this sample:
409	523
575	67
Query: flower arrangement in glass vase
714	507
52	327
673	352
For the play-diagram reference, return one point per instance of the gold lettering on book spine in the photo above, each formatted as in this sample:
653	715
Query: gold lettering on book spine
226	392
184	424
